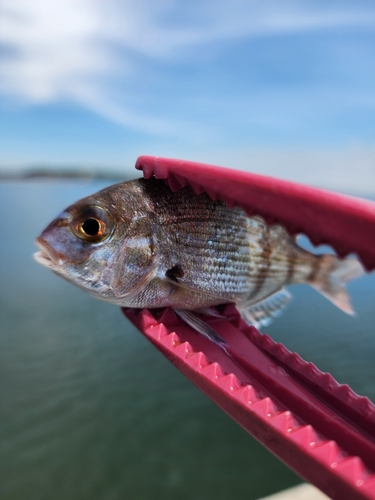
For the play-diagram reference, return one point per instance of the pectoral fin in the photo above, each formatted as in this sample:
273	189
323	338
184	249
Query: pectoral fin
178	282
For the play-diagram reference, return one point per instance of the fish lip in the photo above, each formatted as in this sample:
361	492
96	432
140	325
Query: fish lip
47	256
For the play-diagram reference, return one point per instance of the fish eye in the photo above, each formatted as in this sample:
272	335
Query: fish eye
91	224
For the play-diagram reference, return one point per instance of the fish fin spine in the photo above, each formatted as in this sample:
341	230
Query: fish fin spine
331	277
200	326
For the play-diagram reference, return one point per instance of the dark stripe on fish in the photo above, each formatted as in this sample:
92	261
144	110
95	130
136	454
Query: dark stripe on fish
315	268
292	257
265	244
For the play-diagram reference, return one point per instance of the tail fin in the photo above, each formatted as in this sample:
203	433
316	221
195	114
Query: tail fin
331	278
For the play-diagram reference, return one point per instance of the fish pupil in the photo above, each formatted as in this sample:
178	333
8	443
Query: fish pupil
91	227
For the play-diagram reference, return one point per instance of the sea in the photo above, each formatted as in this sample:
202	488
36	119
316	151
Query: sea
89	409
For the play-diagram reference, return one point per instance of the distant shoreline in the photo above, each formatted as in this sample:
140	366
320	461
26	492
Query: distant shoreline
44	174
57	174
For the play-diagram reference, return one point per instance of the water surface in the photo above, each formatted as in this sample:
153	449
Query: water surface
90	409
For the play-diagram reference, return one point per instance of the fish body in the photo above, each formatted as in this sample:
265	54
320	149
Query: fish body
138	244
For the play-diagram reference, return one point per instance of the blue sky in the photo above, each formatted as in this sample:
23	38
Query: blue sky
280	87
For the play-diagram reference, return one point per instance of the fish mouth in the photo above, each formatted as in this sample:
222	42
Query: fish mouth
47	256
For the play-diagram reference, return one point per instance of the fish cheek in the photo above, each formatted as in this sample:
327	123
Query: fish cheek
135	265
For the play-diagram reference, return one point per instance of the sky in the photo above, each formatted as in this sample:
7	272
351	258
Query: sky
279	87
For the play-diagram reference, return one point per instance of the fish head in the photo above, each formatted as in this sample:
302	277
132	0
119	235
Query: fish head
104	243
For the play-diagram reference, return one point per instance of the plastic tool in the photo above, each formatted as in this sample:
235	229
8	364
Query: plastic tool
321	429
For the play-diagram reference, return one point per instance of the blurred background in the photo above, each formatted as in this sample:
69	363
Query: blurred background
286	88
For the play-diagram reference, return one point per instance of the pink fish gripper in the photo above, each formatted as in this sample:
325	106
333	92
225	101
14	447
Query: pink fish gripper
318	427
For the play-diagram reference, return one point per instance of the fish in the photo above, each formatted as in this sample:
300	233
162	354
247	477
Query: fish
138	244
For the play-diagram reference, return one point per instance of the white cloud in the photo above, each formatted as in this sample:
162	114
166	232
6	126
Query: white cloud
51	48
350	169
72	50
